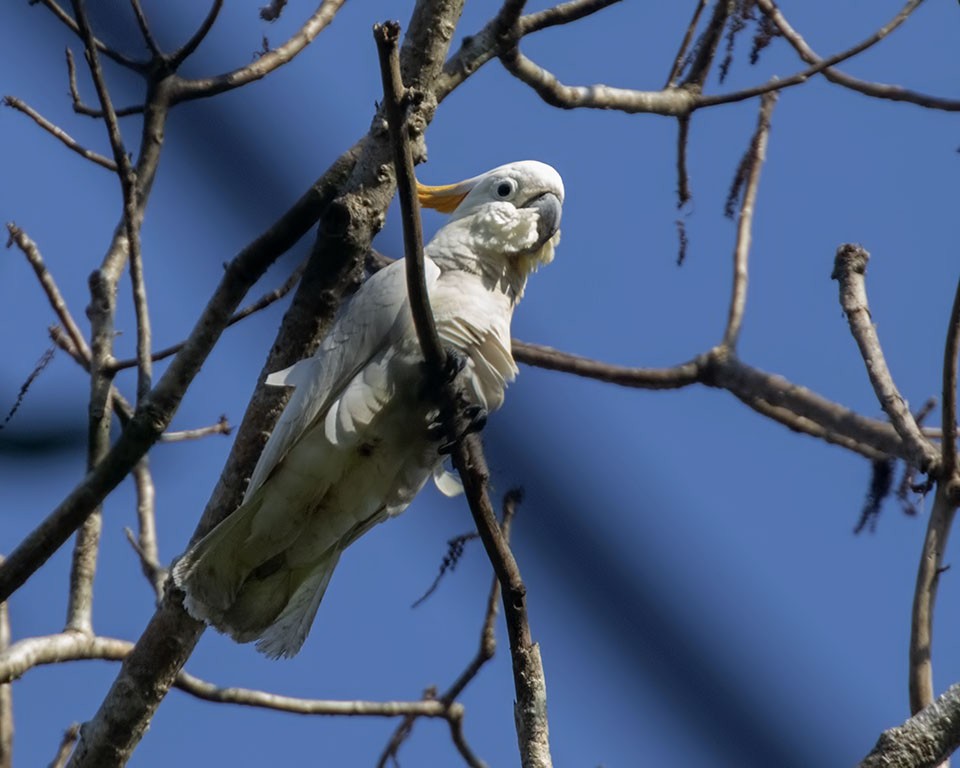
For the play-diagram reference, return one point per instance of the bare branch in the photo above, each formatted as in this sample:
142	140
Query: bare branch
262	303
794	406
6	695
57	302
754	159
145	545
387	35
675	101
924	598
850	267
70	737
950	354
58	132
531	706
119	58
82	109
877	90
222	427
641	378
120	158
681	56
179	56
488	646
32	652
923	741
145	30
480	48
264	65
155	412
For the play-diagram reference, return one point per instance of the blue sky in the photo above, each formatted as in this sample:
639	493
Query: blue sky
695	585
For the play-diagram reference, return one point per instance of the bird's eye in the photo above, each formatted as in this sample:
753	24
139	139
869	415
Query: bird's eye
506	188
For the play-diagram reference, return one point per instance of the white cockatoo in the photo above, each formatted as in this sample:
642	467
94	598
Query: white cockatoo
355	444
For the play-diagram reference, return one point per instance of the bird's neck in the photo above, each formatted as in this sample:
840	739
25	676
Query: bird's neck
477	248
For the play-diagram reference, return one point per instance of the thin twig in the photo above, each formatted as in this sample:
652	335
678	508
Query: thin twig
850	267
876	90
145	543
681	56
949	421
264	65
222	427
924	598
138	285
58	132
32	652
82	109
110	53
262	303
145	30
387	36
792	405
70	737
476	50
756	154
530	709
181	54
49	285
6	695
485	652
120	157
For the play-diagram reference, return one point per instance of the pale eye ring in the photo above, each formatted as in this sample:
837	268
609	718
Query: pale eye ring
506	188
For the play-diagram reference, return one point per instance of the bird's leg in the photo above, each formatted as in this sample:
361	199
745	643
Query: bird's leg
472	418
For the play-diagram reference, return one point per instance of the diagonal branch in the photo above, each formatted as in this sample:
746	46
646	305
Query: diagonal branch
6	696
58	133
110	53
531	705
180	55
850	267
950	354
262	303
752	163
210	86
923	741
876	90
154	414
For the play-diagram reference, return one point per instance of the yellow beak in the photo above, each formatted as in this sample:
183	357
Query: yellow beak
444	198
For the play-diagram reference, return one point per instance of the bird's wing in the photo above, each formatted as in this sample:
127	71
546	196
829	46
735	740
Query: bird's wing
347	380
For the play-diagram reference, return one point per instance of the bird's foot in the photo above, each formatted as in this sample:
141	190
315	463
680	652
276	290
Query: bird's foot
474	419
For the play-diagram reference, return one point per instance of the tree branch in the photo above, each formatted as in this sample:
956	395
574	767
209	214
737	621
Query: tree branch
6	696
923	741
531	706
924	598
58	132
59	305
876	90
949	416
849	271
119	58
154	414
752	163
262	303
181	54
360	193
210	86
222	427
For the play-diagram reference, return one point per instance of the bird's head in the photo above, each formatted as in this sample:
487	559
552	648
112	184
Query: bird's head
513	210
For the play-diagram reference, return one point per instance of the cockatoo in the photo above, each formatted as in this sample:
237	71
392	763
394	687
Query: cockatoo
354	444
